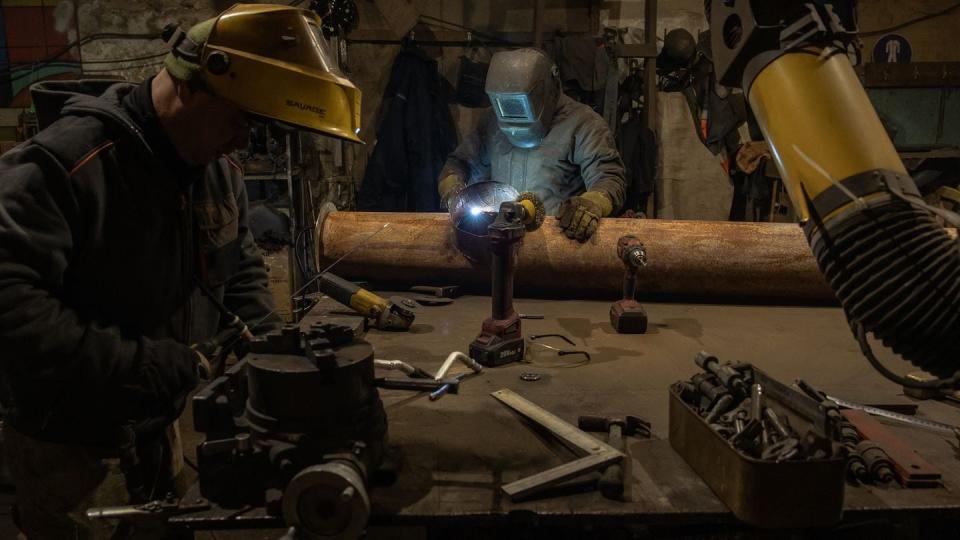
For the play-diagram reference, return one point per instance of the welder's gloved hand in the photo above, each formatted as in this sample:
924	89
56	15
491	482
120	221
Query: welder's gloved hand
579	216
157	390
449	187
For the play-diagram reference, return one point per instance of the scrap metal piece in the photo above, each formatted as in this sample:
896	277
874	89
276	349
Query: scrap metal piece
530	377
446	291
445	389
911	469
410	371
453	357
595	454
149	512
431	301
728	375
417	385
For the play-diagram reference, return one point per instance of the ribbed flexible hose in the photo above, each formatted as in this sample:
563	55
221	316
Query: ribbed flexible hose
897	274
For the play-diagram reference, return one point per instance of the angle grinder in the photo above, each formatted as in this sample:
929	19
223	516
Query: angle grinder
501	340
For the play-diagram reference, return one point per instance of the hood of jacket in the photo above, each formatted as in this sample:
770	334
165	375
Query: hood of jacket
97	97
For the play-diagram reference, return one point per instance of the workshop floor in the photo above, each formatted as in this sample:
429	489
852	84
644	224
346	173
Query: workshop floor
458	450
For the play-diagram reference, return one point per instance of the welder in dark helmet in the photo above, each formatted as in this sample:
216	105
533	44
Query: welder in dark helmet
538	139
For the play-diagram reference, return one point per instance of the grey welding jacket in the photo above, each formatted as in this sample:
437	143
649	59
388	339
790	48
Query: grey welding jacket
578	154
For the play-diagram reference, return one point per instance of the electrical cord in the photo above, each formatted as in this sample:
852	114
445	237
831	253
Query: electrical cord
846	270
112	70
87	71
6	74
111	61
867	351
476	33
30	69
910	22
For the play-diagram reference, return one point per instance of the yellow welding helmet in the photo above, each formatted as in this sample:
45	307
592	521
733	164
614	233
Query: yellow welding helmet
271	61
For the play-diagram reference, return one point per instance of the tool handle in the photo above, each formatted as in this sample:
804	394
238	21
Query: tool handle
611	481
592	423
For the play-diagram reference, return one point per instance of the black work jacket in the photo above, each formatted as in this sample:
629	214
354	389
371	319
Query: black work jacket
415	135
102	232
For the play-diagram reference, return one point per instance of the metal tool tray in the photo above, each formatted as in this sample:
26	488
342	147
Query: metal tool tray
767	494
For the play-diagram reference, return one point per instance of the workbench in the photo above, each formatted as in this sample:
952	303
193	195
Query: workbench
457	451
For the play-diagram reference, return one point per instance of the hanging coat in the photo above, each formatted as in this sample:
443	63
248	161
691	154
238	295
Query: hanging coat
416	134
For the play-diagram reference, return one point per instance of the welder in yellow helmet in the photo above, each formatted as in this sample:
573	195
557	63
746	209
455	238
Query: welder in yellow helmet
270	61
111	219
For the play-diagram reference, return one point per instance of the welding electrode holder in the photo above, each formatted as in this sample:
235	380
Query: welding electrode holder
627	316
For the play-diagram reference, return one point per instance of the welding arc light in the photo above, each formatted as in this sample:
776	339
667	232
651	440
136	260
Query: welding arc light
477	210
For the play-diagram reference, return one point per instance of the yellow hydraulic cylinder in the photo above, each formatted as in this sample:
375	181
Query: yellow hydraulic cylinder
819	123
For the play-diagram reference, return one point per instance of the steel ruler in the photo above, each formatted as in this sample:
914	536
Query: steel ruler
912	420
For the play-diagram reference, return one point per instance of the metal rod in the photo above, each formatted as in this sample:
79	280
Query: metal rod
406	368
650	65
909	420
453	357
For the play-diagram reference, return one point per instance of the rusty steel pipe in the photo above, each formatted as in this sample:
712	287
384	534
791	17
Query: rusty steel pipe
688	260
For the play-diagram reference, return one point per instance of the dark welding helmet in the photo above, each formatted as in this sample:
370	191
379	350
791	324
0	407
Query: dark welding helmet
679	50
524	86
676	59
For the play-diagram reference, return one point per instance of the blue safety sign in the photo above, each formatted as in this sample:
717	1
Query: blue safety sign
892	49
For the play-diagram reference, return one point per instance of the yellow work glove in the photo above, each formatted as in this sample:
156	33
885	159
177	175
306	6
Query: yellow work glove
579	216
449	187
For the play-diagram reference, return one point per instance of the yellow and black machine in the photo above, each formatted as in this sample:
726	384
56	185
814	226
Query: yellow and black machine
386	314
893	267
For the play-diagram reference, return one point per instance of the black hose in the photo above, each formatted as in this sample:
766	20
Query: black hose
896	272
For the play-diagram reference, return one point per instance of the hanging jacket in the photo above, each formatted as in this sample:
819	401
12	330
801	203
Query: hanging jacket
102	232
578	154
416	133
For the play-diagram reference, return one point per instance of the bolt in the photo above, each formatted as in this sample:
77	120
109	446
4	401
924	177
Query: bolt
721	406
876	461
243	442
856	470
756	402
774	420
347	494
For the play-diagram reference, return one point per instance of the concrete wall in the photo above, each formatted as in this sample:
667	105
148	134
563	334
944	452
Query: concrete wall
101	16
